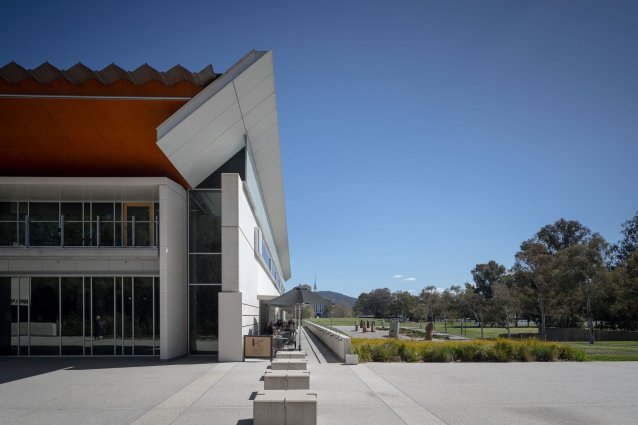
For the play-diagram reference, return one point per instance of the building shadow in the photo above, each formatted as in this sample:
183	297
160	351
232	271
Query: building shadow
16	368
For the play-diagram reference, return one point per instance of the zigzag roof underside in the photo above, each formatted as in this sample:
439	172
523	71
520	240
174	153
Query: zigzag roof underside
13	73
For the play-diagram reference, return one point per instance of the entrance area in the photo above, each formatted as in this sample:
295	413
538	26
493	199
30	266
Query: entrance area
79	316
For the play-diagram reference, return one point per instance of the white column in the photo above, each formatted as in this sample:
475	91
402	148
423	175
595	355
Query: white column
173	271
230	299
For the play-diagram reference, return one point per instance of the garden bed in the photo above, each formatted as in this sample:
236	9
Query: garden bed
501	350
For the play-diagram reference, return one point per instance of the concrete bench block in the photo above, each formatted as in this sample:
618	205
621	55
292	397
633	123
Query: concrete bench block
291	355
289	364
269	408
301	407
352	359
286	380
298	380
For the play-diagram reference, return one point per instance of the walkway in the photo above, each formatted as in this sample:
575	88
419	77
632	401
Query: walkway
192	391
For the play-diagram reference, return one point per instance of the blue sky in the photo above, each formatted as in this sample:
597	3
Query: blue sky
418	138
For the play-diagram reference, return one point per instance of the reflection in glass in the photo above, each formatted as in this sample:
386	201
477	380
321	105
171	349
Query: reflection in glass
102	326
204	226
23	315
143	315
73	233
71	301
203	329
205	268
9	298
156	297
44	325
44	233
128	316
44	211
8	233
88	308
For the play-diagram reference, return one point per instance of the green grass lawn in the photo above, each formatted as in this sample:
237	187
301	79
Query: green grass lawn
452	328
609	350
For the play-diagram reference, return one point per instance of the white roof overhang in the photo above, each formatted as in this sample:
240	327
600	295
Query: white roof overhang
207	131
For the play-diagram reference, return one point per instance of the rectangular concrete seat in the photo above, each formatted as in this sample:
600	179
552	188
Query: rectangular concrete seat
288	364
301	407
287	380
295	407
291	355
269	408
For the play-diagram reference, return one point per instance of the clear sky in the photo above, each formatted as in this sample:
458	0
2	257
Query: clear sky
418	138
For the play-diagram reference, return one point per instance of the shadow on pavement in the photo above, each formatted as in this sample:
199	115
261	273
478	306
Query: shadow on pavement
15	368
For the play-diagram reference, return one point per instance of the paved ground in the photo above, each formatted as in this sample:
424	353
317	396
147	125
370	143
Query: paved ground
195	391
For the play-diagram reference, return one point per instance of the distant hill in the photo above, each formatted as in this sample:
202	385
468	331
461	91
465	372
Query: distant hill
337	298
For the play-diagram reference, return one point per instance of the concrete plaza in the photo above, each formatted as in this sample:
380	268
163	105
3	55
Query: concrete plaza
194	391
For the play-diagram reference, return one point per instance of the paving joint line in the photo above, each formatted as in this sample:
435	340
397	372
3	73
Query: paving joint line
406	420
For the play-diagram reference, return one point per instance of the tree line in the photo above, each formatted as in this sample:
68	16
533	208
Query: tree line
564	276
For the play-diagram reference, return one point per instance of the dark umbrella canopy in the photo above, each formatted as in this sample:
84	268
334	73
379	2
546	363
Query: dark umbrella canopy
299	295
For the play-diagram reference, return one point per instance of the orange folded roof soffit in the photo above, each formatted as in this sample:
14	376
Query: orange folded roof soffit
83	123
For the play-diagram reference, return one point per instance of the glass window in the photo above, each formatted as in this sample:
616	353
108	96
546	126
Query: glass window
44	211
44	325
205	268
103	315
156	295
44	233
204	226
8	211
23	314
71	301
203	321
143	316
9	299
72	211
102	209
73	234
8	233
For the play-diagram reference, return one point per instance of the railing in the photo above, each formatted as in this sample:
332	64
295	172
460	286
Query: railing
338	343
80	233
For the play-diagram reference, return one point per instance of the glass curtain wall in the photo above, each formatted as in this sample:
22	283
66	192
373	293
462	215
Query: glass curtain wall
75	224
204	269
52	316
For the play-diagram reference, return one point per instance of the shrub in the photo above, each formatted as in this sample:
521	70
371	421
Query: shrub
501	350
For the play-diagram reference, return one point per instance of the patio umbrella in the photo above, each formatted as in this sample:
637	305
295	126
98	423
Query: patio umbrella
296	297
299	295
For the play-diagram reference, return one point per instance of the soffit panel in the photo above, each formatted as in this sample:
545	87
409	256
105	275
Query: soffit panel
211	134
202	136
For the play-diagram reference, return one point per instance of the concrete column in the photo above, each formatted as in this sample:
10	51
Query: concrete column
173	271
231	338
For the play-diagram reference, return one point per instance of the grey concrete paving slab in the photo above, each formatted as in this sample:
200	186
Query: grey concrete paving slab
189	391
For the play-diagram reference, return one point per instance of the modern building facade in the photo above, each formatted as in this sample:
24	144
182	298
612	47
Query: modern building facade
141	213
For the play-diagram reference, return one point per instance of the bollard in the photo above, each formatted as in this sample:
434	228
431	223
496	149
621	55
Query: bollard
373	326
356	327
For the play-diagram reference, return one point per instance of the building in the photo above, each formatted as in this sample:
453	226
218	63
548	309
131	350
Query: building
141	213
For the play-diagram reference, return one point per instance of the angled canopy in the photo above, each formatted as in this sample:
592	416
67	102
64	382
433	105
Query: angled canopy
299	295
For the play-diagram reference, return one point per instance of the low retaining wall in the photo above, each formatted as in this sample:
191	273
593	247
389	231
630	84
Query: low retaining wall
338	343
578	334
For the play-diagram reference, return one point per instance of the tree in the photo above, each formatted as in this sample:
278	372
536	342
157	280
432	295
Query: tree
476	304
562	234
428	296
485	276
506	300
533	265
402	303
342	310
361	305
629	243
583	264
